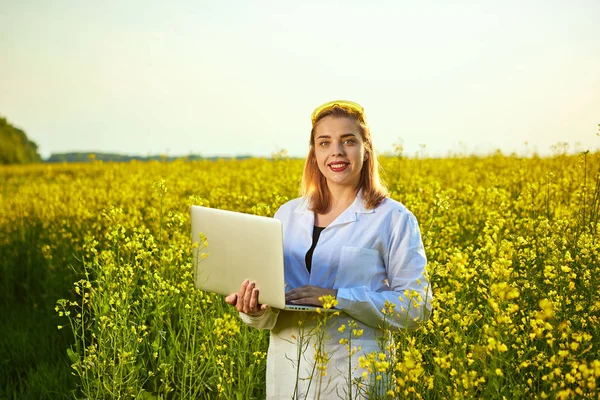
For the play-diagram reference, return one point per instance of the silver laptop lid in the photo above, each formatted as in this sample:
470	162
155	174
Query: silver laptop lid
240	246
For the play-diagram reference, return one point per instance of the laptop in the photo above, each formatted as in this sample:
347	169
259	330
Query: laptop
240	246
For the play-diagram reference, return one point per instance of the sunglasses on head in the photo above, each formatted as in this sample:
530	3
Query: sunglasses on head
352	106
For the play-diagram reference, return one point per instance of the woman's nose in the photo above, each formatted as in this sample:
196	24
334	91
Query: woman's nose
337	149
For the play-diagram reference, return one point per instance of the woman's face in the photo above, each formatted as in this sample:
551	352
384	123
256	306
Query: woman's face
339	150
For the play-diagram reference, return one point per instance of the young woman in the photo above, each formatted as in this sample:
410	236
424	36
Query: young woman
344	238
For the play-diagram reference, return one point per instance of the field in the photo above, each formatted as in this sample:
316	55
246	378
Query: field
97	295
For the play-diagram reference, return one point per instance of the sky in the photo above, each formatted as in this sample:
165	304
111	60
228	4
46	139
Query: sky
243	77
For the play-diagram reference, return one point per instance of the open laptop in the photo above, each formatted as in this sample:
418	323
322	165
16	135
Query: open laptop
240	246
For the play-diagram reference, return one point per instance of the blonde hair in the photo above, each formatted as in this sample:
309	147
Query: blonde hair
314	184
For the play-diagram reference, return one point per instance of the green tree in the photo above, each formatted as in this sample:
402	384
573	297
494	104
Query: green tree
15	147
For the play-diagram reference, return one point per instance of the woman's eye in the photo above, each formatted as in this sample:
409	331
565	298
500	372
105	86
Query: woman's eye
349	141
323	144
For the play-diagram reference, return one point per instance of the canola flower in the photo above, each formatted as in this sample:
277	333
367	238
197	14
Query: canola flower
512	243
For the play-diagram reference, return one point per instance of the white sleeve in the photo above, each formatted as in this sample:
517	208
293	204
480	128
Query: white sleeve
266	321
408	283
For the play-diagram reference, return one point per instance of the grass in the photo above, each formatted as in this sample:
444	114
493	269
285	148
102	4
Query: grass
33	361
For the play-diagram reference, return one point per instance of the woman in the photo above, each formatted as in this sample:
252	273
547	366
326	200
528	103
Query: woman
343	238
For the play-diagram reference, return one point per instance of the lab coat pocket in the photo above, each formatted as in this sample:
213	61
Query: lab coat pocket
358	266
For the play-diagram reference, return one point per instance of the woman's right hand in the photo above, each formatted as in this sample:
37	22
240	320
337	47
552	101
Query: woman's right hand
246	300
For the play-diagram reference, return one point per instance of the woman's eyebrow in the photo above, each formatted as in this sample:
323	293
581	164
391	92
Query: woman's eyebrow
329	137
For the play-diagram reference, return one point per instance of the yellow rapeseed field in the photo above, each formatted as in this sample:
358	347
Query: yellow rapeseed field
514	263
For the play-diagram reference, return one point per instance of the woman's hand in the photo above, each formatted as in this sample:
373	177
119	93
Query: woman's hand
246	300
308	295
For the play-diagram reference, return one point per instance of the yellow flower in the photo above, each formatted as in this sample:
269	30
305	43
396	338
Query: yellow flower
574	346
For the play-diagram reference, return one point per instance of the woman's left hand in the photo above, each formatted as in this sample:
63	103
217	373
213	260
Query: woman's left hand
308	295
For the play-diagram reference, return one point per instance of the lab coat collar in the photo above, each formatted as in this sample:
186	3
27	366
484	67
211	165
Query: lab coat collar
307	216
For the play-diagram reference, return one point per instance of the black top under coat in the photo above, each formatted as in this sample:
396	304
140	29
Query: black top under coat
308	258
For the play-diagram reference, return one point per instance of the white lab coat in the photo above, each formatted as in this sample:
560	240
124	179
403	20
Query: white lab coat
370	256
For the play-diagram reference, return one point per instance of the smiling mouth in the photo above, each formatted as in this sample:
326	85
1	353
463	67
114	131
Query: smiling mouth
338	166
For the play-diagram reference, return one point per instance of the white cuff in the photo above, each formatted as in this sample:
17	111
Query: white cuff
265	321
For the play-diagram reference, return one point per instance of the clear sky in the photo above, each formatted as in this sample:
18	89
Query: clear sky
243	77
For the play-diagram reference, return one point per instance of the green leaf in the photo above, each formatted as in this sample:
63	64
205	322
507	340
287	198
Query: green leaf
74	357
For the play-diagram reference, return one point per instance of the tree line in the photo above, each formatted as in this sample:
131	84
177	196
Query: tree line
89	156
17	148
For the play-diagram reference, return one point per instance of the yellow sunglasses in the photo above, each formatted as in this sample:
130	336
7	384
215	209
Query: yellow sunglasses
342	103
